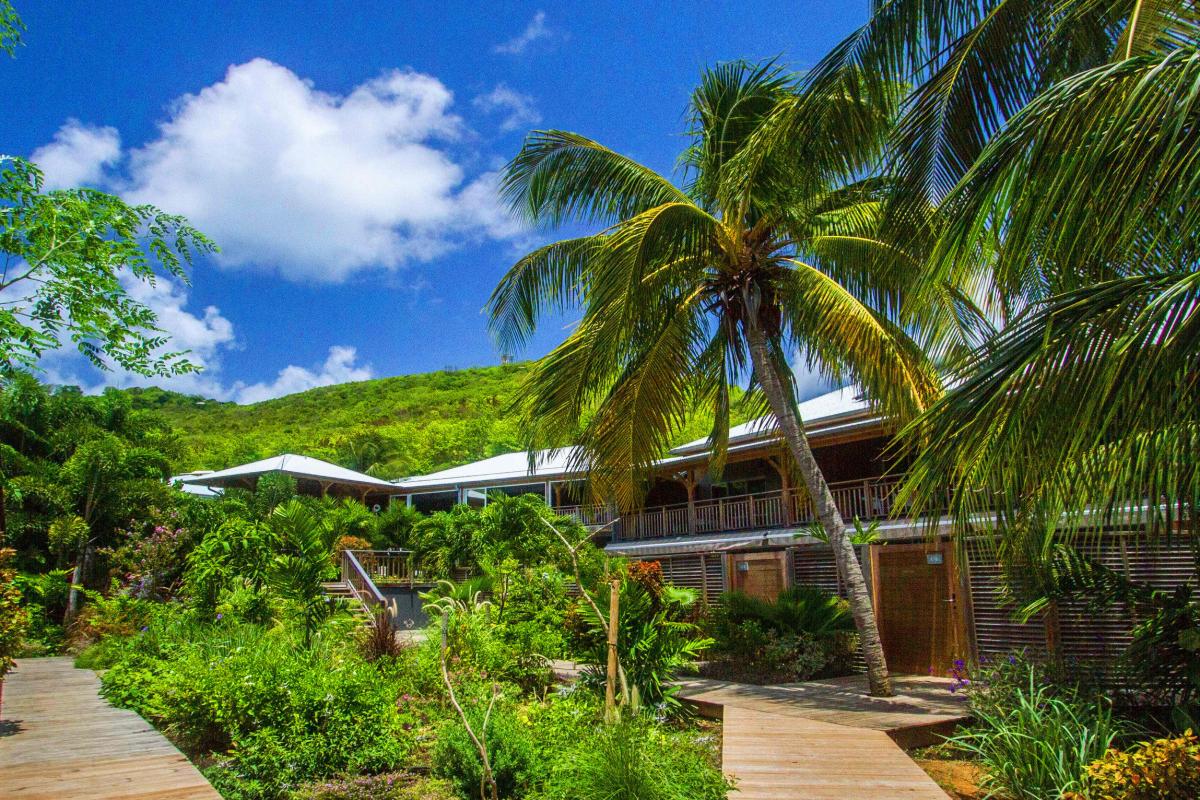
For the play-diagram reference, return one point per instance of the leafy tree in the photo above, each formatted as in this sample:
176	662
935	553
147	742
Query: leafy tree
235	554
1054	144
690	291
76	470
13	618
10	28
65	254
302	563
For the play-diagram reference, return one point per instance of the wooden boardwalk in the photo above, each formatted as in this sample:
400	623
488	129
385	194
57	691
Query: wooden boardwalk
827	740
59	739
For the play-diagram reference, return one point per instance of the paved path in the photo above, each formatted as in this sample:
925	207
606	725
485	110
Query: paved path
827	740
59	739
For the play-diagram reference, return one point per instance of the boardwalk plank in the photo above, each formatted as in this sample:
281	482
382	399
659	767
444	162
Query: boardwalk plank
64	741
825	740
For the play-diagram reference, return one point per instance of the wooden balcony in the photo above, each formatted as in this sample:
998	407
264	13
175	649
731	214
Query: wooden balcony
383	567
865	499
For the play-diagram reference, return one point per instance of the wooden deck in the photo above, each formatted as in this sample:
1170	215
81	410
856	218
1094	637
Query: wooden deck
59	739
827	739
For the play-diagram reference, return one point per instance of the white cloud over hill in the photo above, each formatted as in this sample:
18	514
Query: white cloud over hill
314	185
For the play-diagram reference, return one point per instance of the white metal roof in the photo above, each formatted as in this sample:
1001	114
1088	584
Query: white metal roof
817	412
180	482
821	412
501	469
289	464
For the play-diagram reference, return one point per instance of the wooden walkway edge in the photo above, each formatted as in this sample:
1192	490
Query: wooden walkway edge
824	740
60	739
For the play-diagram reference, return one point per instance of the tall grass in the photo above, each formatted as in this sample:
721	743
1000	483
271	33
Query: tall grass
1037	747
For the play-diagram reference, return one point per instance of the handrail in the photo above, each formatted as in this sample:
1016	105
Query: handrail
360	584
869	498
386	566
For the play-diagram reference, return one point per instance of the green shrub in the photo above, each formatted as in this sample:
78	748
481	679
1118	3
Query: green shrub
633	759
481	652
44	598
276	713
1163	769
390	786
656	637
995	685
803	634
14	620
509	746
1037	747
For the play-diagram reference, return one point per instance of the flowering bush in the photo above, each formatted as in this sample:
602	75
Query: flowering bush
149	556
349	543
13	618
1163	769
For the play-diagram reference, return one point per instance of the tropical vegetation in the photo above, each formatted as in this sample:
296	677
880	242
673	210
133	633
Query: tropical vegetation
981	211
689	292
281	692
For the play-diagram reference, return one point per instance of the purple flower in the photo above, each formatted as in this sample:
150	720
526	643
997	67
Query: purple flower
220	616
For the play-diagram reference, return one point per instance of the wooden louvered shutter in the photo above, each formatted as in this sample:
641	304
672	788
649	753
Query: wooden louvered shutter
996	634
813	565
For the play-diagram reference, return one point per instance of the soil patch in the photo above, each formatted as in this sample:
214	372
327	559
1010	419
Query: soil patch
960	779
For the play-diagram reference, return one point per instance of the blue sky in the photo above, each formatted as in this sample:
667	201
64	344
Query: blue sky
344	154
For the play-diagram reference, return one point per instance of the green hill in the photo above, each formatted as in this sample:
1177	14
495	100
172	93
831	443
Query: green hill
392	427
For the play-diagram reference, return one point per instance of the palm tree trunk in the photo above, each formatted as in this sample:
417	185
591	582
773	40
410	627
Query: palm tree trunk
783	403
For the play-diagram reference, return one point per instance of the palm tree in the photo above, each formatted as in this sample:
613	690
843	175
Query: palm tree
1058	142
689	292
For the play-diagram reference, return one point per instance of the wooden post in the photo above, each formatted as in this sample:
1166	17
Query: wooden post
610	685
690	484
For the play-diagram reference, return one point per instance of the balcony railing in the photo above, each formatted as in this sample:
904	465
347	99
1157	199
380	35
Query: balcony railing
385	567
865	499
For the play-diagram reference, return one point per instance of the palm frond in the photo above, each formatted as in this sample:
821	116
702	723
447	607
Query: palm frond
560	176
1088	401
847	340
547	279
1094	178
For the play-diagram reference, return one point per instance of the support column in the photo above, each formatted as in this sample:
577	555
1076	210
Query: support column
689	483
785	482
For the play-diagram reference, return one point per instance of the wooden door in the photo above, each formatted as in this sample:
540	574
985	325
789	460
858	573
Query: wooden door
760	575
916	606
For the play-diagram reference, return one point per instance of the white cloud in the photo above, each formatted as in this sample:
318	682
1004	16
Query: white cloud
518	110
207	335
479	200
535	30
79	154
314	185
340	367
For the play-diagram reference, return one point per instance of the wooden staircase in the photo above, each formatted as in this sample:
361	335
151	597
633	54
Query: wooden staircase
340	590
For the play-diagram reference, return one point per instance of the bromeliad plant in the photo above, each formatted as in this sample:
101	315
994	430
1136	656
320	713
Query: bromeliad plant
688	292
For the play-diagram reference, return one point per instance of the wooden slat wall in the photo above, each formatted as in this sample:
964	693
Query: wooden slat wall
1085	637
1091	639
813	565
704	572
995	632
